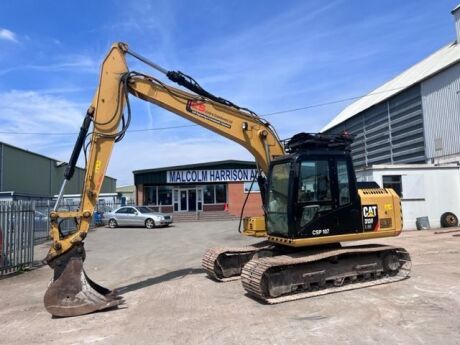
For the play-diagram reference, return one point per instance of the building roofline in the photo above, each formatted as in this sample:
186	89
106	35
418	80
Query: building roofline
28	151
127	188
42	156
194	165
433	64
407	167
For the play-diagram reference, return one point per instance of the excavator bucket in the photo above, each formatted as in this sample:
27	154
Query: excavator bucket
71	292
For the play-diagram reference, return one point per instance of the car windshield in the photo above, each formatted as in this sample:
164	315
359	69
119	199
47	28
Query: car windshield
144	210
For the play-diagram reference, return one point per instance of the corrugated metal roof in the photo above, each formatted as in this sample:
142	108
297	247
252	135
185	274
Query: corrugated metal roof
433	64
126	189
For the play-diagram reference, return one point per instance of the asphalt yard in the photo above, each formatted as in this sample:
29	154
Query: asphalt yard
169	299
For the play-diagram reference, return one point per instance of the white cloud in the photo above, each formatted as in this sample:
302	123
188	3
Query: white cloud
30	111
64	63
72	62
8	35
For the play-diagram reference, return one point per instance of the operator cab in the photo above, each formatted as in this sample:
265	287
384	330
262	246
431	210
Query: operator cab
312	191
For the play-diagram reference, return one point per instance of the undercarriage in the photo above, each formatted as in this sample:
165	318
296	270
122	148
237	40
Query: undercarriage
277	274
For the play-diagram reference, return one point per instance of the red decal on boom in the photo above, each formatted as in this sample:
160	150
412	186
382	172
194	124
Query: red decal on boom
197	105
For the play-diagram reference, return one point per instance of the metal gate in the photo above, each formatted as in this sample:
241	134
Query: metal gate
24	223
16	235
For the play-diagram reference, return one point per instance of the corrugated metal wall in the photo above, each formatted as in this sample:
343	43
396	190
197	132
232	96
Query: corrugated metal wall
389	132
441	107
24	172
35	175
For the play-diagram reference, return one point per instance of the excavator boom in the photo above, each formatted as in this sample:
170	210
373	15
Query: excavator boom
71	292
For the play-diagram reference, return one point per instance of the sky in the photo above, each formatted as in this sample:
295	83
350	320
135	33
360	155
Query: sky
269	56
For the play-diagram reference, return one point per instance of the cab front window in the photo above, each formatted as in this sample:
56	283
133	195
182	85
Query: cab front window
277	205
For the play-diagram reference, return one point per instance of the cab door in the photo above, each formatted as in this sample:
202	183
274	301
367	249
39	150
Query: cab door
315	200
347	204
327	202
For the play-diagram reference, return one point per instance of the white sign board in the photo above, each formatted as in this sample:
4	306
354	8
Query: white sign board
214	175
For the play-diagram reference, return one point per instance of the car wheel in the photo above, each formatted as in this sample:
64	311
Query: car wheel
112	223
448	220
149	223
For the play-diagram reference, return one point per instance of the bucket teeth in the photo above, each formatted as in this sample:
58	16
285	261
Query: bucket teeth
73	293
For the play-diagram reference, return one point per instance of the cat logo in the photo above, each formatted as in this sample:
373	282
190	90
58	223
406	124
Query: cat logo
370	218
369	211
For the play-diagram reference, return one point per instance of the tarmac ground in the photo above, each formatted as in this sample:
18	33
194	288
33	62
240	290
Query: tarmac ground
169	299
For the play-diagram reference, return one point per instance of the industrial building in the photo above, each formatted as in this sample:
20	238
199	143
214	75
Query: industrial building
202	187
412	119
126	193
25	175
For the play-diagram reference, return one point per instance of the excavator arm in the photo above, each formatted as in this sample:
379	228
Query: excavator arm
245	129
71	292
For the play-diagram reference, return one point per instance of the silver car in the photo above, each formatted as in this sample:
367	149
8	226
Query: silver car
136	216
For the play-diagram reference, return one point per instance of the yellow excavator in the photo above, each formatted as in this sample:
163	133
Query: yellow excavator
312	202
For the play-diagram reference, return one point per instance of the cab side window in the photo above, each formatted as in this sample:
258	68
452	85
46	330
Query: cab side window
315	193
343	181
315	184
123	210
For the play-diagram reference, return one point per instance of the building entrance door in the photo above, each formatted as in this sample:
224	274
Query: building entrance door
188	199
192	200
183	199
199	199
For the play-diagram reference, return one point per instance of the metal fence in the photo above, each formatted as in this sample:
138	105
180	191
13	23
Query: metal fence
43	207
16	235
26	223
107	206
